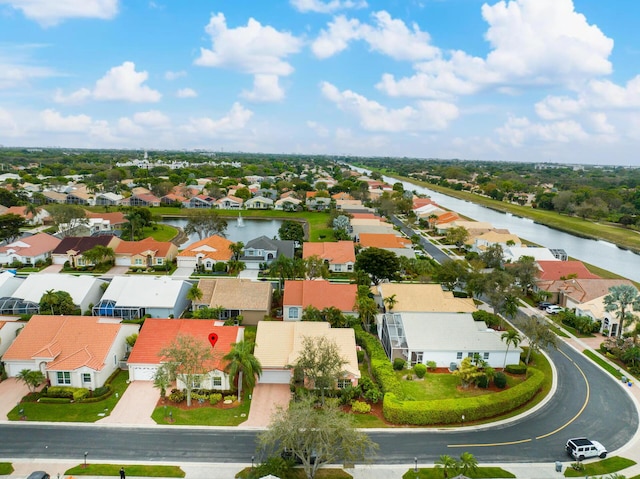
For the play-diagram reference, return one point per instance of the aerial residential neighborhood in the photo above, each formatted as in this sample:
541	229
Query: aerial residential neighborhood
251	280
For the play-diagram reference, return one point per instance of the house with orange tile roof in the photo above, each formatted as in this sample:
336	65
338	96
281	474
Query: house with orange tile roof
340	256
172	199
38	219
29	250
560	270
76	351
115	219
342	196
320	294
399	245
278	345
205	253
158	334
145	253
447	217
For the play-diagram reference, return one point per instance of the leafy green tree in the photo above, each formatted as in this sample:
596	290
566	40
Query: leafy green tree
492	256
186	360
243	366
451	273
510	338
33	379
131	339
205	223
71	216
161	381
316	267
10	225
311	313
58	302
525	271
457	236
292	231
378	263
620	300
539	335
321	362
468	372
315	436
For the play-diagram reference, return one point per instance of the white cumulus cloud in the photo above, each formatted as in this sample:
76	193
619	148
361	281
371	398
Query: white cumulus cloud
152	118
533	42
426	116
331	6
236	119
120	83
186	93
53	120
254	49
52	12
388	36
171	75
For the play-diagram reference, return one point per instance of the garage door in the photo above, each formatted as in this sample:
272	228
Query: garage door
142	373
275	377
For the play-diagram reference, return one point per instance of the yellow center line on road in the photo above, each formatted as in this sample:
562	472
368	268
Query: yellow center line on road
555	431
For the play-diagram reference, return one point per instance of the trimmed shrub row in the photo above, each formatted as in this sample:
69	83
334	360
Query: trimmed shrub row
516	368
55	400
380	366
449	411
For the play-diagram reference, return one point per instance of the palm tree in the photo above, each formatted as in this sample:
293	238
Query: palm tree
468	463
390	302
620	299
367	310
447	463
194	294
236	249
32	379
33	210
243	365
510	337
51	298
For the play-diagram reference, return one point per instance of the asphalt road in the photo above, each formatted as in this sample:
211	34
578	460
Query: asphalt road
600	409
431	249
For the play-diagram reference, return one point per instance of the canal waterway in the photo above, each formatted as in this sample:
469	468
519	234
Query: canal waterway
596	252
244	231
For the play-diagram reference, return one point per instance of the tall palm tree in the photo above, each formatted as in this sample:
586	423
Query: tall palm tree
510	337
243	365
367	310
447	464
620	300
33	210
390	302
236	249
194	294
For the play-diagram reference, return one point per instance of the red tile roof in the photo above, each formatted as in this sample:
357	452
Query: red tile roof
115	218
157	334
72	341
338	252
18	210
367	216
383	240
36	245
214	247
447	217
554	270
161	248
420	202
320	294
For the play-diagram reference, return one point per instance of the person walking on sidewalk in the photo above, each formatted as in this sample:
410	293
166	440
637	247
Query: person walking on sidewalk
122	475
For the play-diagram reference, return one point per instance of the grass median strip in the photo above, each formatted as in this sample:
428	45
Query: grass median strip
606	466
6	468
438	473
130	470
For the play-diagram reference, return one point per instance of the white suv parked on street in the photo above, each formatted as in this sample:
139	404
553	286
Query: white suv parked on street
581	448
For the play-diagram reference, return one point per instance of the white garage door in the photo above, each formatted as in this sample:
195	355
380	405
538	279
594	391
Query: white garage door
142	373
275	377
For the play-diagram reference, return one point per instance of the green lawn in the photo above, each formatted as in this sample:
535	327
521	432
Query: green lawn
606	466
438	473
6	468
442	385
160	232
72	412
203	416
130	470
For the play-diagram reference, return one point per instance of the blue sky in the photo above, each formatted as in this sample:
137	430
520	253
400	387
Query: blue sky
514	80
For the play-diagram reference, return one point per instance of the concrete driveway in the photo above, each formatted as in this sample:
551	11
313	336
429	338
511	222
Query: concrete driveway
135	406
11	392
116	271
265	399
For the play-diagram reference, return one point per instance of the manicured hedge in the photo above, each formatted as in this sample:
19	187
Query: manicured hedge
450	411
381	367
55	400
516	368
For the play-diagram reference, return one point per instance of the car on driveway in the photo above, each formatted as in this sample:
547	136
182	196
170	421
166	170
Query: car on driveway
39	475
544	304
581	448
553	309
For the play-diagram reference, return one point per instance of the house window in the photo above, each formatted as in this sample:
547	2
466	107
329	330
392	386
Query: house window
159	260
86	377
293	313
349	267
195	382
416	357
459	355
80	261
344	383
470	355
337	268
137	261
485	356
64	377
217	381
